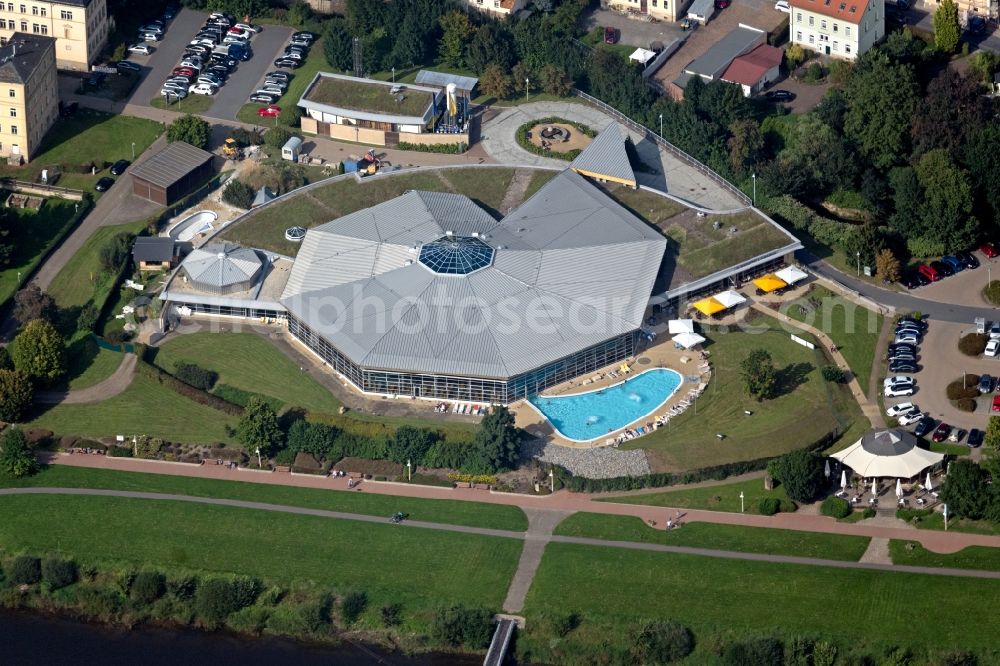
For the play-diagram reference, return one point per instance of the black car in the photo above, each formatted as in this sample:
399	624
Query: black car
287	62
780	95
104	183
909	280
127	67
944	269
902	356
967	259
975	439
220	71
925	426
902	366
985	384
225	61
907	319
303	35
118	168
170	12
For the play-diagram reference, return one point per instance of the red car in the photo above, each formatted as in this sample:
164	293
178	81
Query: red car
928	272
721	4
183	71
269	111
610	35
996	403
942	432
989	249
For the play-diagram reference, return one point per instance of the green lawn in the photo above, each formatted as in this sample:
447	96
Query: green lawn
144	408
301	78
87	363
87	136
417	568
973	557
249	362
853	328
32	235
616	590
190	104
725	497
538	179
474	514
807	408
718	537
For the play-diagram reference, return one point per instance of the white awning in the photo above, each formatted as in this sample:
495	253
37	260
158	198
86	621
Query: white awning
888	453
688	340
791	274
730	298
642	55
675	326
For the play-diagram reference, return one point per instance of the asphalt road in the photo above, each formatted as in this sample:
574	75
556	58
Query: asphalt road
266	46
166	54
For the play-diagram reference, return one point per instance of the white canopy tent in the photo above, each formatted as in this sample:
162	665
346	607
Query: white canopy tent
688	340
888	453
730	298
675	326
791	274
641	55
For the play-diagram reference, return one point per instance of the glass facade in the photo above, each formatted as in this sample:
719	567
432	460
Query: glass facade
232	311
468	389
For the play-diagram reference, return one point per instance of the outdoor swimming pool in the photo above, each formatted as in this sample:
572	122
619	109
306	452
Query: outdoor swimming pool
582	417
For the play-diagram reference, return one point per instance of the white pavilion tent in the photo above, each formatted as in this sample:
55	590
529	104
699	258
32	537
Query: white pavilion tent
791	274
688	340
888	453
675	326
730	298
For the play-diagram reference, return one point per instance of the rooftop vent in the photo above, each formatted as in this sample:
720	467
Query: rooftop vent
449	233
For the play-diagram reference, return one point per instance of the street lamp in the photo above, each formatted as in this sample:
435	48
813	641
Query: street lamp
393	74
859	263
133	151
260	463
408	471
552	481
741	501
661	125
753	177
526	90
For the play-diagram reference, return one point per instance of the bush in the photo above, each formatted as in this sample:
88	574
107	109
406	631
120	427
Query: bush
25	570
664	642
147	587
316	615
353	605
460	625
58	573
446	148
832	373
215	600
965	405
973	344
195	376
87	318
768	506
755	652
963	387
563	623
182	588
188	391
814	73
868	513
276	137
245	590
392	615
239	194
836	507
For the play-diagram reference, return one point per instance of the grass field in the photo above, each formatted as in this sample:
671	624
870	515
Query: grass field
417	568
88	364
301	77
807	408
144	408
249	362
852	328
190	104
725	497
973	557
538	179
473	514
719	537
76	283
616	589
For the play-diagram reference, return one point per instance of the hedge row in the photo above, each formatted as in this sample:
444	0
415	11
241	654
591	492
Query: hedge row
186	390
525	142
446	148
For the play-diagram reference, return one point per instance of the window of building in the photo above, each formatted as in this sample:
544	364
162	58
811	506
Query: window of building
45	29
10	6
45	11
3	23
812	39
35	28
11	92
811	20
24	26
65	15
24	9
847	48
34	10
13	113
822	25
13	129
835	27
847	30
835	46
798	17
798	35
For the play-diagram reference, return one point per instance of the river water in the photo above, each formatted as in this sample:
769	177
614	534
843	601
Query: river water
33	640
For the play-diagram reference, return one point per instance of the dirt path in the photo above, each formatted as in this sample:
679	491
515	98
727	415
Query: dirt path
109	388
515	191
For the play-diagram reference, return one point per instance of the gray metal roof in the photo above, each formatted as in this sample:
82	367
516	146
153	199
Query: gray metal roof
263	195
606	155
572	268
171	164
714	61
154	248
22	55
429	77
701	8
222	265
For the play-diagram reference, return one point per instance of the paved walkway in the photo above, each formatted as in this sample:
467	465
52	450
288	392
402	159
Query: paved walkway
541	524
109	388
936	541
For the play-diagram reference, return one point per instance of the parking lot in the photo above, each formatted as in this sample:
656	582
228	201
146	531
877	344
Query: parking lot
631	31
241	83
963	288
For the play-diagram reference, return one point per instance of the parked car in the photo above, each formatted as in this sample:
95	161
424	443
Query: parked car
263	98
910	281
610	35
968	259
269	111
941	432
141	49
976	25
975	439
256	28
943	269
281	83
901	408
104	183
902	366
127	67
279	75
287	62
170	12
907	319
203	89
174	93
994	331
996	404
989	249
721	4
292	55
992	348
183	71
901	380
239	32
903	357
906	337
924	426
929	272
150	36
303	35
911	417
953	263
913	326
152	27
118	168
898	391
956	435
779	95
782	6
273	88
986	384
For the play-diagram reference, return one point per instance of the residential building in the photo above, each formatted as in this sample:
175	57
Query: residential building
80	27
662	10
28	73
985	9
714	62
838	28
753	71
501	7
156	253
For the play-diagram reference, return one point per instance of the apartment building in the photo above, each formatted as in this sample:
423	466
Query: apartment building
500	7
29	92
80	27
838	28
662	10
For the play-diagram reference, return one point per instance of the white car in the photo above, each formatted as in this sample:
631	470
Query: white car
203	89
248	28
782	6
906	337
179	93
992	347
193	64
995	331
901	408
141	49
898	391
899	379
910	417
241	33
233	39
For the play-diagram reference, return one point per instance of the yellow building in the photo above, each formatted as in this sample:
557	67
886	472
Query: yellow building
80	27
28	89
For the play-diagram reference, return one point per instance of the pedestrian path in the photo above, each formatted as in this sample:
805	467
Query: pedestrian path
541	524
117	383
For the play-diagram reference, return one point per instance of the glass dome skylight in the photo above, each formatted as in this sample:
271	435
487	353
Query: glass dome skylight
456	255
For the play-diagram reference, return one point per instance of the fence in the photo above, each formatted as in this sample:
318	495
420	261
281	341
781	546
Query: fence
666	145
24	187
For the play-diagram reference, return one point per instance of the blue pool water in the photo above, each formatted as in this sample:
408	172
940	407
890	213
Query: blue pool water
592	415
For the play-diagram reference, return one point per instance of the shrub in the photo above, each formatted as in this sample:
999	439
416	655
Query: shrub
58	573
214	600
315	615
963	387
973	344
276	137
245	590
87	319
755	652
446	148
991	292
664	642
768	506
836	507
116	336
392	615
868	513
147	587
195	376
186	390
563	623
814	73
25	570
353	605
824	653
965	405
182	588
239	194
832	373
460	625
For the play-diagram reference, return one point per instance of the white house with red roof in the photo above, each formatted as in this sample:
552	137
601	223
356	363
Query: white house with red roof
754	70
502	7
838	28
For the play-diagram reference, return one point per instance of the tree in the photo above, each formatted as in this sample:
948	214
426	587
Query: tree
16	394
946	212
276	137
820	153
410	444
992	436
965	489
40	352
881	98
215	600
664	642
801	472
353	605
459	625
982	160
6	246
299	13
457	30
908	201
952	108
555	81
115	252
190	129
239	194
887	265
520	73
147	587
759	375
5	362
746	144
16	457
495	83
497	441
983	65
33	303
258	427
58	573
408	48
490	45
338	45
795	55
947	31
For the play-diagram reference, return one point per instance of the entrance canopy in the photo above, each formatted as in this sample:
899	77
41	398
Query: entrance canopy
791	274
769	283
730	299
688	340
675	326
888	452
708	306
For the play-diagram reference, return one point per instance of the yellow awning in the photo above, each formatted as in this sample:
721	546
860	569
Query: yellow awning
709	306
769	283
